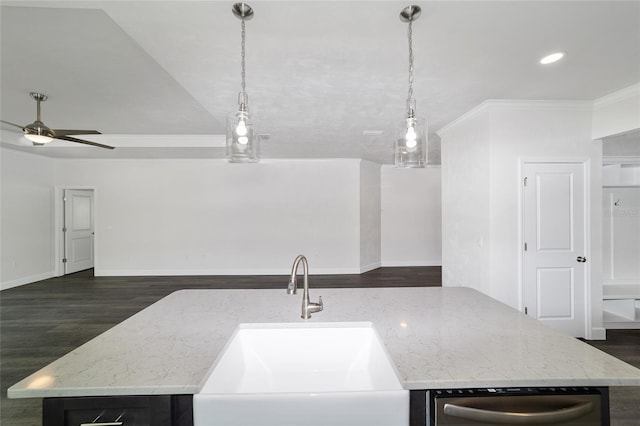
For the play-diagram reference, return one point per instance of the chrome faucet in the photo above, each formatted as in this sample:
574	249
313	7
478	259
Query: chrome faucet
307	306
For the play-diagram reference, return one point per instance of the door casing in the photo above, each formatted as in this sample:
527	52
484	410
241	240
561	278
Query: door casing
59	224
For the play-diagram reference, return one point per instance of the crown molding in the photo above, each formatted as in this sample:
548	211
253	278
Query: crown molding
620	95
130	141
159	141
515	104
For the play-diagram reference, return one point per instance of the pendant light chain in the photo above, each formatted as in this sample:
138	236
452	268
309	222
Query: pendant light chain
243	98
410	95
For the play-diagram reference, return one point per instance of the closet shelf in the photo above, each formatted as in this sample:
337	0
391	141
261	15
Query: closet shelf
621	291
621	305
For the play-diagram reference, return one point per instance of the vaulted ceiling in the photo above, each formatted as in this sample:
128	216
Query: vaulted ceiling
326	79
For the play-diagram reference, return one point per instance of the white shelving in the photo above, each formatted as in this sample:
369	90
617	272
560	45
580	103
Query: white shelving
621	231
621	175
621	305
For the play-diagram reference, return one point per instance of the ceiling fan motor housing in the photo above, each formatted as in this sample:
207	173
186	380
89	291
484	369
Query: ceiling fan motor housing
39	128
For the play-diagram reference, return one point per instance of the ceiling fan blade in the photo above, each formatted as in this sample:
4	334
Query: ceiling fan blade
67	132
70	139
12	124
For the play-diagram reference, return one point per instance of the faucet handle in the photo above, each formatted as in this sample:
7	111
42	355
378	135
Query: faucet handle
315	307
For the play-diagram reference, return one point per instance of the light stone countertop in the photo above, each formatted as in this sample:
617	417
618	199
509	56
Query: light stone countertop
437	338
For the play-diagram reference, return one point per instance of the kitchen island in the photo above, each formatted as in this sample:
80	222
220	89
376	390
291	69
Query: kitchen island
438	338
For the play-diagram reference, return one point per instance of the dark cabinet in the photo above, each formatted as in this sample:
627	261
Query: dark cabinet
417	408
159	410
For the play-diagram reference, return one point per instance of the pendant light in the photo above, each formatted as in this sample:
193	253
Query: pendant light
243	142
411	140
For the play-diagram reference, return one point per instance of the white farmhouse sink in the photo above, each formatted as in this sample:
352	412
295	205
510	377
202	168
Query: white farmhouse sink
302	374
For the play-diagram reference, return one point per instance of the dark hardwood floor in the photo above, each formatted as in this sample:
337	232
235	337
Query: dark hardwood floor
625	401
42	321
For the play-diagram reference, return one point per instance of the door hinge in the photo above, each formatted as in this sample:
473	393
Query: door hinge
64	229
64	260
524	181
525	247
526	310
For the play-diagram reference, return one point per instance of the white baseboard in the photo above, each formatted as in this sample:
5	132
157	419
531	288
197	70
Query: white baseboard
623	325
174	272
369	267
598	333
26	280
393	263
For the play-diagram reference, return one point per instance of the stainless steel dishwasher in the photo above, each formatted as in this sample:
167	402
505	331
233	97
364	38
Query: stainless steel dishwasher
518	406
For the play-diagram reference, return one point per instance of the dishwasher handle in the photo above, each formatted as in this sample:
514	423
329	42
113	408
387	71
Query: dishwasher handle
505	417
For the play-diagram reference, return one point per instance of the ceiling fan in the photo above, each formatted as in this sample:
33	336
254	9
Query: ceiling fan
40	134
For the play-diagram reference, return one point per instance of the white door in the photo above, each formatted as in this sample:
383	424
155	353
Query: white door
78	230
554	263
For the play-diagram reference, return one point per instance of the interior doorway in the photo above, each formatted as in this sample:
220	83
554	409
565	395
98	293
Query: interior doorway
76	220
554	236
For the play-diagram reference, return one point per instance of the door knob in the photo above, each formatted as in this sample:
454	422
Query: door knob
581	259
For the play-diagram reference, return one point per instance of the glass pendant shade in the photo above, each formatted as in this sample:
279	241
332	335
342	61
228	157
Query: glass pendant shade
243	143
411	143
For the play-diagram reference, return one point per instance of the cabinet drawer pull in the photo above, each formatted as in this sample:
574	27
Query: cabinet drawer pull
95	421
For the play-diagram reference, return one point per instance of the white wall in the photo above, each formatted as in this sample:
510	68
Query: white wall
411	198
370	216
465	203
158	217
211	217
27	218
489	143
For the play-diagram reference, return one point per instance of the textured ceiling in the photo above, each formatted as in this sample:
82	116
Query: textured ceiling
319	73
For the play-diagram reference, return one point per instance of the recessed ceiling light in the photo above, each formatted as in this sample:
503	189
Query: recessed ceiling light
554	57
